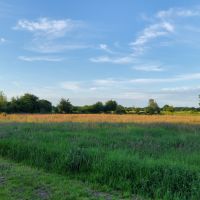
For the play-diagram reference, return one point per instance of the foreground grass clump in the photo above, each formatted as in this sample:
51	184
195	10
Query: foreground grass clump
21	182
158	161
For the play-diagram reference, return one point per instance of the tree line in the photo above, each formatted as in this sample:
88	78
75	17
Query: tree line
29	103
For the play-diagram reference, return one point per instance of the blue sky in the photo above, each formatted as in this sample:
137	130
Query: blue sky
94	50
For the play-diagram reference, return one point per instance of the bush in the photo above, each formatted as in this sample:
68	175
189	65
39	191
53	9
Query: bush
120	110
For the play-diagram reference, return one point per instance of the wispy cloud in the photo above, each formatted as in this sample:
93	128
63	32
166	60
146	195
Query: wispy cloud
113	83
47	27
105	82
120	82
113	60
51	35
149	68
50	47
178	78
2	40
178	12
181	89
163	24
70	85
105	48
157	29
153	31
40	58
150	33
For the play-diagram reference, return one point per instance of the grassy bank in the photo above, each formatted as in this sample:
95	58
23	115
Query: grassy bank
21	182
157	161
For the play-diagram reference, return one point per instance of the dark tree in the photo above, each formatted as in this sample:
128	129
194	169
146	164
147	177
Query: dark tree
98	107
28	103
110	106
13	106
120	109
152	107
65	106
3	102
55	109
199	100
45	106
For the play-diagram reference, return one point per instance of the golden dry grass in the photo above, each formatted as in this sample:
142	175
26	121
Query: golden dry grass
40	118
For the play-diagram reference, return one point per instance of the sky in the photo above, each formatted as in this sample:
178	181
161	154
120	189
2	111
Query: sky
96	50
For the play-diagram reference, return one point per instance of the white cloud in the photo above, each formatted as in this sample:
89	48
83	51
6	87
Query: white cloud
105	48
178	12
40	58
149	68
55	48
163	24
105	82
184	77
181	89
158	28
2	40
192	76
118	82
70	85
47	27
135	95
151	32
113	60
47	34
99	88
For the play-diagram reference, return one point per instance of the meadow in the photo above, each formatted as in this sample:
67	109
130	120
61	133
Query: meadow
153	160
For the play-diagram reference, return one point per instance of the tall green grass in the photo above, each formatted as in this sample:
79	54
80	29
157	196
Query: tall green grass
158	161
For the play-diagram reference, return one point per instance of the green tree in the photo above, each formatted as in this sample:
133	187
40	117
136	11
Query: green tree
152	107
98	107
45	106
55	109
28	103
3	102
199	100
110	106
168	108
65	106
120	109
14	105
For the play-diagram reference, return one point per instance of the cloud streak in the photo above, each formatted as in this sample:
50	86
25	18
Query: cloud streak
105	48
56	48
149	68
150	33
178	12
40	58
70	85
48	28
113	60
125	83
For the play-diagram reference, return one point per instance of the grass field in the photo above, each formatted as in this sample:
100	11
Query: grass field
153	160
